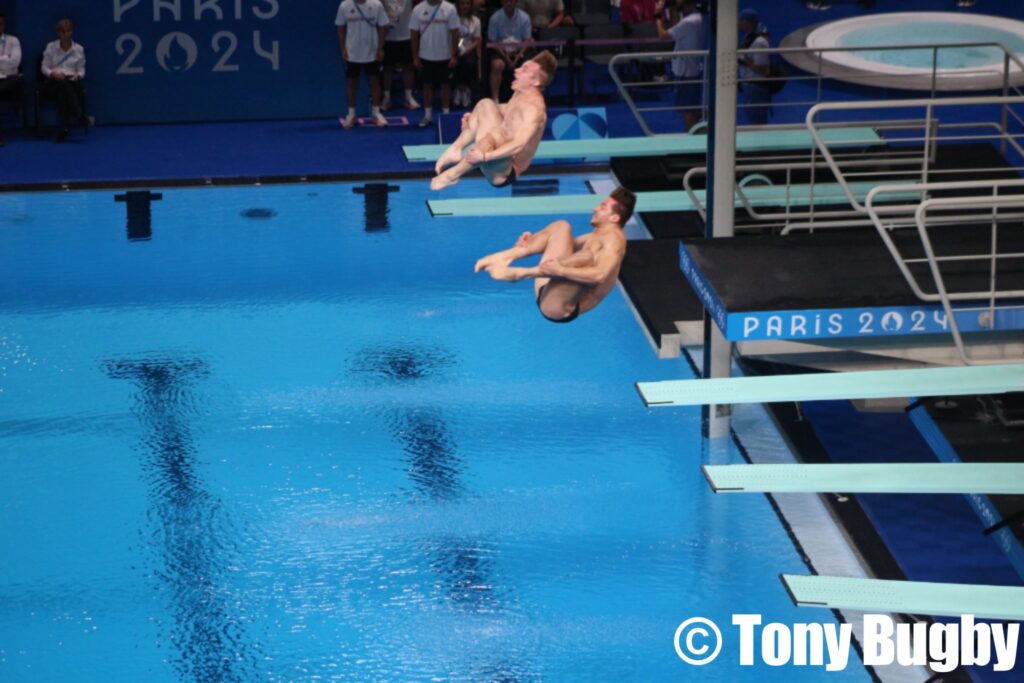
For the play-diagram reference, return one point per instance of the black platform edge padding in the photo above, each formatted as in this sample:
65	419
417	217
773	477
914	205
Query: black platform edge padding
672	224
536	187
655	174
970	426
660	294
843	269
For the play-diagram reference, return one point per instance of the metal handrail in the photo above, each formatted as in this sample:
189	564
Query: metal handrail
930	137
990	300
788	167
1009	61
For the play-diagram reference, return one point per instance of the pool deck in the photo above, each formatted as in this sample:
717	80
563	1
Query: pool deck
218	152
223	153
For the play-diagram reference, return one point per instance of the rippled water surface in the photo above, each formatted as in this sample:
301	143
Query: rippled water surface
292	436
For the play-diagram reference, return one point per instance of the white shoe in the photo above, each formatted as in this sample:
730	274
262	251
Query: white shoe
411	104
425	121
385	103
349	120
379	120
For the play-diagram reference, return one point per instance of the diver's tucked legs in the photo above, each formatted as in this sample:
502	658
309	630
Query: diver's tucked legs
557	298
483	126
485	117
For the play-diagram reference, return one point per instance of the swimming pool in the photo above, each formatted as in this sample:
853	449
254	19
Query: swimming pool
292	436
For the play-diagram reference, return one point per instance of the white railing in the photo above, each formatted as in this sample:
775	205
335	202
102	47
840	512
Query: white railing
1004	78
924	133
995	212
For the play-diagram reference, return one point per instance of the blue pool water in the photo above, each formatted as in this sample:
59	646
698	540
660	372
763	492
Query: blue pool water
932	33
271	444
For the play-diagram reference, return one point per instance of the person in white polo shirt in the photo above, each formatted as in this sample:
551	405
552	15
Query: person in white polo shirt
362	27
64	69
398	52
435	51
10	62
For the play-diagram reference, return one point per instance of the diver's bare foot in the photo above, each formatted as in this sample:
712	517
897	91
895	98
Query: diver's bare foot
497	266
499	260
509	274
442	181
450	157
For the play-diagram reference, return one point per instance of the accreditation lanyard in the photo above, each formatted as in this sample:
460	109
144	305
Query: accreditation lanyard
356	4
431	20
67	56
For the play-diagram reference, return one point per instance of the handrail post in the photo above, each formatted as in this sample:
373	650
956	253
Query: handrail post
1006	105
572	73
995	257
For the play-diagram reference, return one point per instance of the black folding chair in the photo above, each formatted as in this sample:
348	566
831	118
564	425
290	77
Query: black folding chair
568	59
43	97
600	55
15	96
593	13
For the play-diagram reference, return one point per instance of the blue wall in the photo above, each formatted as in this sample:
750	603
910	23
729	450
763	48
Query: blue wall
191	77
195	60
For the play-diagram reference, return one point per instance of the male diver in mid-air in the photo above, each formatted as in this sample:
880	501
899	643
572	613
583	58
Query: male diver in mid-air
506	135
573	275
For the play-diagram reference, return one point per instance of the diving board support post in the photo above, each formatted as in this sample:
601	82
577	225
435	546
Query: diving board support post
906	597
717	364
721	81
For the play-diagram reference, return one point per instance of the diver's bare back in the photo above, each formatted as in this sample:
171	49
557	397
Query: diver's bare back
524	110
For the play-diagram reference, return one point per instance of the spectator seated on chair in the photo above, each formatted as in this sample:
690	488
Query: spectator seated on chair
546	14
508	25
10	63
63	70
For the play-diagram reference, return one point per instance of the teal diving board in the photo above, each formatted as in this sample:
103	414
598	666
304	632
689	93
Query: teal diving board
906	597
673	200
659	145
827	386
930	477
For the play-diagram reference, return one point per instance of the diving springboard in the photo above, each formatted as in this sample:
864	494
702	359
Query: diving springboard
906	597
827	386
982	478
659	145
675	200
